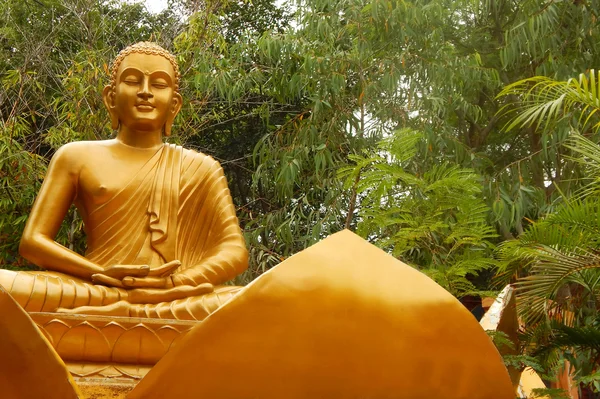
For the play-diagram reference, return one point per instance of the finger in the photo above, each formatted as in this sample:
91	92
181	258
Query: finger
152	295
201	289
106	280
135	270
179	279
166	269
120	271
144	282
184	291
138	271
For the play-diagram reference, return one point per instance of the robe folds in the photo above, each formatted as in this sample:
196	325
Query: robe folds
176	207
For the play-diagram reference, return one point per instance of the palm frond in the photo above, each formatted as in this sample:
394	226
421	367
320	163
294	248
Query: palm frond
544	100
538	293
586	153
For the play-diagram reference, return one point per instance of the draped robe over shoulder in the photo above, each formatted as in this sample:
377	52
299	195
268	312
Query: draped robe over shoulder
176	207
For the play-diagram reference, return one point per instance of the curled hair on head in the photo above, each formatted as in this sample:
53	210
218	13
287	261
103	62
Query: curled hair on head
143	48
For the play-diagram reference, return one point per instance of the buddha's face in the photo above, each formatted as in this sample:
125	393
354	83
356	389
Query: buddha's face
144	98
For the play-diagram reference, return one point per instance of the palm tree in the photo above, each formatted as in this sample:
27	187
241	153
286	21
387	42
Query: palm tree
545	101
556	261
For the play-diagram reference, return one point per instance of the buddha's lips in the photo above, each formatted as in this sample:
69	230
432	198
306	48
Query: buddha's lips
145	107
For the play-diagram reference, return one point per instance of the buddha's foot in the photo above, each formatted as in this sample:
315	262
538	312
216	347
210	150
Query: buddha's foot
121	308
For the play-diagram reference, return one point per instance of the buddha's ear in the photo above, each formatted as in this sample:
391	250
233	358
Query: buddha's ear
108	96
173	111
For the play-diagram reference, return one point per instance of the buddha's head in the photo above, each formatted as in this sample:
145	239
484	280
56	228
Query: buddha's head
144	89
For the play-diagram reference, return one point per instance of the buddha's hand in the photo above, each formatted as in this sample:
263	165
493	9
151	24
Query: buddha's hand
122	275
161	277
157	295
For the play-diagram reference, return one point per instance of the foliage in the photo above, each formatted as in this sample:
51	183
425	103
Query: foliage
573	225
552	393
18	169
556	259
545	101
579	345
505	346
488	45
559	300
434	219
320	91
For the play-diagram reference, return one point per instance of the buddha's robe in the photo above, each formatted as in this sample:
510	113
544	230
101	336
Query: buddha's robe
176	207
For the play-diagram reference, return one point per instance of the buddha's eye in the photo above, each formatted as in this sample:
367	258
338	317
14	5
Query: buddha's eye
132	81
160	84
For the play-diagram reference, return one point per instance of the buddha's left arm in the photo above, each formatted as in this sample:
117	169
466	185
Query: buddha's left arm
221	264
224	255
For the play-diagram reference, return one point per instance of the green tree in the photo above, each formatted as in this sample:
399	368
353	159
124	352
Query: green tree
434	219
460	58
556	258
326	88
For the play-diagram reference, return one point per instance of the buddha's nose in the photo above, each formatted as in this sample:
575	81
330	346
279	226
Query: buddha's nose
145	92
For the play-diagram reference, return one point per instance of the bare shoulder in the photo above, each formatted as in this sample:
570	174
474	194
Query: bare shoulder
73	155
82	147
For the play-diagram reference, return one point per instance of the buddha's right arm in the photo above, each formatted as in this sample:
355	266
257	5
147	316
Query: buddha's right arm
51	205
48	254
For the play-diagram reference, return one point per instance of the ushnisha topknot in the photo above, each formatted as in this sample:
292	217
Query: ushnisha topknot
143	48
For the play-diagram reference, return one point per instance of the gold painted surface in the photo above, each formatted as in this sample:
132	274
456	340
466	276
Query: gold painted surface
341	319
123	373
29	368
502	317
162	234
530	380
109	339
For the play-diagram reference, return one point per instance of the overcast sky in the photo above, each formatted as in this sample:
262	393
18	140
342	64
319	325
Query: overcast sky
153	5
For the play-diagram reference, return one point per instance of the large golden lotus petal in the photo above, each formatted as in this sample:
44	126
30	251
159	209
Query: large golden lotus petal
29	367
84	342
138	345
342	319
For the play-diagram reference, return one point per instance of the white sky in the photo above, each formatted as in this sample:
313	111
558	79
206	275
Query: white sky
154	6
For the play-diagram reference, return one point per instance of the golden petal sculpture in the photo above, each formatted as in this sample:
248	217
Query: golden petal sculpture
342	319
502	316
29	367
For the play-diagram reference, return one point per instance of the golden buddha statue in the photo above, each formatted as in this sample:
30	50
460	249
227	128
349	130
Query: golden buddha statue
342	319
160	223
